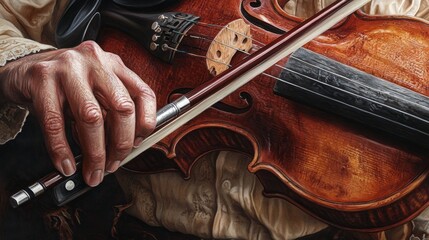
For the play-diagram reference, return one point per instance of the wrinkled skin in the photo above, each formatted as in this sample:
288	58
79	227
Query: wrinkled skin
112	108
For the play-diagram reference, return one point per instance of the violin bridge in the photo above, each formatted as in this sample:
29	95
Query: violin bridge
235	36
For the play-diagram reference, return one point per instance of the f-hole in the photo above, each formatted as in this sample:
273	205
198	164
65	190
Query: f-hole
255	4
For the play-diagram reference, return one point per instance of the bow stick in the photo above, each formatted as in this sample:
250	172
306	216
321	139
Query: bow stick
179	112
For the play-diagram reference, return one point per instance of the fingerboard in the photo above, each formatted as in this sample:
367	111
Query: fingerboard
320	82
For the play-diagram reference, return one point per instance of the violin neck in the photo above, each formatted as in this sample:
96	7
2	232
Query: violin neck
320	82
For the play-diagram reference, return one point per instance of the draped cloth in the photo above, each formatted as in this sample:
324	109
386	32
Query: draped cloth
417	8
221	200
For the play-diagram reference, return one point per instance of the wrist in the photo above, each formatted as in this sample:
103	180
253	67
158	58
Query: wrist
8	89
12	81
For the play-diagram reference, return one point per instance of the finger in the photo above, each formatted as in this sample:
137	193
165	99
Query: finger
144	99
145	117
114	97
89	122
48	108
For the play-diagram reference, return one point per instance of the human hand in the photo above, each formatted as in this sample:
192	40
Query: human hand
110	104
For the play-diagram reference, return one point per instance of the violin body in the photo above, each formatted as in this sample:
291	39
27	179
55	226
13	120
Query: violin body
341	172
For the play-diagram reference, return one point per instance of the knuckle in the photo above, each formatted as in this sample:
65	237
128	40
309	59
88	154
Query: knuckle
146	92
146	124
90	113
41	69
42	72
123	147
68	56
58	147
124	106
68	61
116	58
96	158
90	47
150	123
90	44
53	123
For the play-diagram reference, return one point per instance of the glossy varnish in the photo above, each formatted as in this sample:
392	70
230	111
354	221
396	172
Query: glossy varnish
344	173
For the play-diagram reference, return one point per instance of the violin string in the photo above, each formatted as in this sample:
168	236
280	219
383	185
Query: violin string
378	91
314	80
368	112
193	54
302	75
311	78
284	68
193	47
208	39
242	51
220	27
205	38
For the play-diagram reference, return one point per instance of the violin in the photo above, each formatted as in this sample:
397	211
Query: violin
339	170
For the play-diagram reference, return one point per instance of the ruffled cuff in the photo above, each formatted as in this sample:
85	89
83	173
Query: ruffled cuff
12	117
12	48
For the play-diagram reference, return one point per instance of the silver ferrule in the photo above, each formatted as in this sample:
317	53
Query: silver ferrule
172	110
23	196
19	198
37	189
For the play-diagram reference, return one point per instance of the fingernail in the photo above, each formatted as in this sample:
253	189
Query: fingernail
138	141
113	166
96	178
68	167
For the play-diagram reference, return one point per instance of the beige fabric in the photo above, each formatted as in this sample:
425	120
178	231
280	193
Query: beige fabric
222	200
419	8
24	26
306	8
